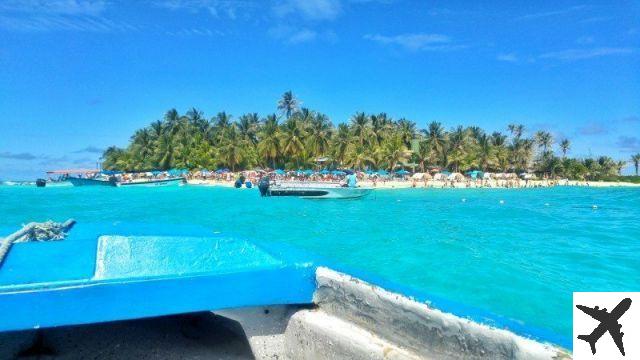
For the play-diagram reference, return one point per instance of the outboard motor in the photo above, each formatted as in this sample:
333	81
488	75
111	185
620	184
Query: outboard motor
41	183
263	186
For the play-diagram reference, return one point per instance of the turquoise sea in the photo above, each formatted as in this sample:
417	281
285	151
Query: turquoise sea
503	256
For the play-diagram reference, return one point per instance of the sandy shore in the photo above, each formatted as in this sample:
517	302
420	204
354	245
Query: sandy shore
458	185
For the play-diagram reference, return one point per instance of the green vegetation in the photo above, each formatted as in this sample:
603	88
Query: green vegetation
299	137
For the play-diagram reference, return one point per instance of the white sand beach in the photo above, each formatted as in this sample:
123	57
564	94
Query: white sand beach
437	184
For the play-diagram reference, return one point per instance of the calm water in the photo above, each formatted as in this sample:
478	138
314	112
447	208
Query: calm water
518	261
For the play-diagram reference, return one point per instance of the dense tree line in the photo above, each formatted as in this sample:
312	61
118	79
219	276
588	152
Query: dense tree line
297	137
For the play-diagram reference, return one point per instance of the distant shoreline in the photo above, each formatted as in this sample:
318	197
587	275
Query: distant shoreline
459	185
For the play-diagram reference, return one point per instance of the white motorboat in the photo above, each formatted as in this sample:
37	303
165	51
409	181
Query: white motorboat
311	190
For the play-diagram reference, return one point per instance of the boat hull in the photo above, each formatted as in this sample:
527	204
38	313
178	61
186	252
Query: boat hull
89	182
153	183
320	192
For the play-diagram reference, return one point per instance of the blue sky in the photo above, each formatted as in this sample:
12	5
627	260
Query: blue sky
78	76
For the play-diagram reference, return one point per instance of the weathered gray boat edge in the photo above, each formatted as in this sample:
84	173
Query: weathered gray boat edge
353	319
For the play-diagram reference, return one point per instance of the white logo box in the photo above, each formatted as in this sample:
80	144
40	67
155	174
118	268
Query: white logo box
584	324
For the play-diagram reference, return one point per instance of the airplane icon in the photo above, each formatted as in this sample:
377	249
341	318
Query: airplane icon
608	322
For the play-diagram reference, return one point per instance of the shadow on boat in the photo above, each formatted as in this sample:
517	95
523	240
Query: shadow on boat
190	336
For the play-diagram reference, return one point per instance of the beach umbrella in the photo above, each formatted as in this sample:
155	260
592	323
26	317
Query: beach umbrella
383	172
324	172
308	172
279	172
338	172
402	172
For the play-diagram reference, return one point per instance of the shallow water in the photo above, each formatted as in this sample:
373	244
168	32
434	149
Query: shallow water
513	255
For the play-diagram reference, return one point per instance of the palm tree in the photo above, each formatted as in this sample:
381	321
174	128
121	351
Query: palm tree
381	124
360	127
486	152
232	149
142	147
395	151
565	145
476	132
516	130
436	140
196	118
407	131
423	155
357	156
319	135
171	118
457	147
293	137
635	159
248	127
501	151
288	104
165	152
544	139
269	145
340	143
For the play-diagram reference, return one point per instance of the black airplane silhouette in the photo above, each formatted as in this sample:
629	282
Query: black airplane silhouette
608	322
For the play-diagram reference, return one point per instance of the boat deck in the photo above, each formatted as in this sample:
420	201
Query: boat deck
95	277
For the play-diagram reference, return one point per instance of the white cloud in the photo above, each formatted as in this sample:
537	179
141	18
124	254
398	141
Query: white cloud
418	41
552	13
304	35
216	8
58	15
294	35
194	32
510	57
309	9
581	54
59	7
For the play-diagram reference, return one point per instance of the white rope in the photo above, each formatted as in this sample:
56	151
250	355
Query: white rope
45	231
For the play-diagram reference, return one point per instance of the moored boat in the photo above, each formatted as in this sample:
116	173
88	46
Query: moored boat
78	181
311	190
175	181
78	177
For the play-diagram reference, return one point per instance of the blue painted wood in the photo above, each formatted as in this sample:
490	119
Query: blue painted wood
144	276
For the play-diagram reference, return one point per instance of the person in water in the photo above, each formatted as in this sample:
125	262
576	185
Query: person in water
351	180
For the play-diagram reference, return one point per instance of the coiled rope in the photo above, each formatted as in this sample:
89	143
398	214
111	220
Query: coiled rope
45	231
